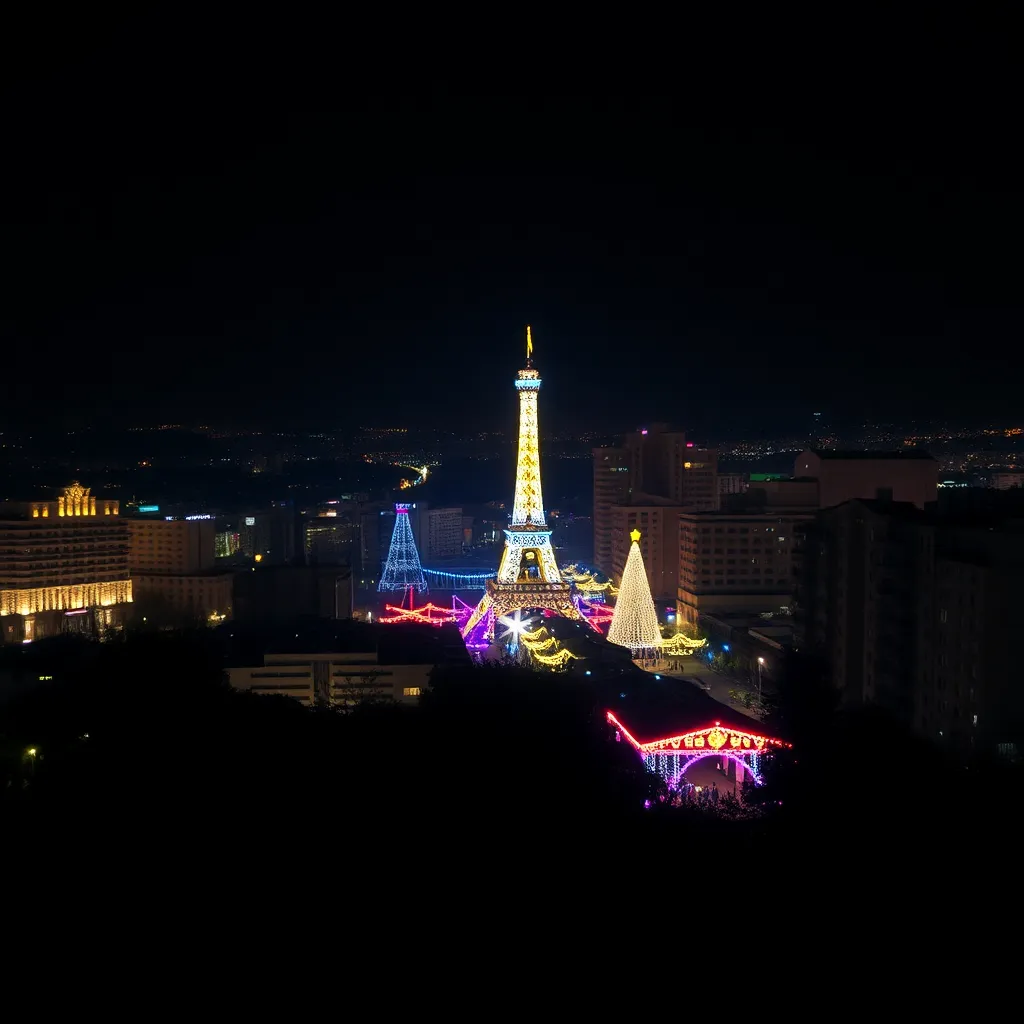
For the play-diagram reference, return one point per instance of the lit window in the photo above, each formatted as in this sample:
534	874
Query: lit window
411	691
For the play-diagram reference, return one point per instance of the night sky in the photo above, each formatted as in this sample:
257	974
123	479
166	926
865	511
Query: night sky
231	240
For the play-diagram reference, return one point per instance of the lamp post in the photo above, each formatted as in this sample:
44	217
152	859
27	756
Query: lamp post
760	665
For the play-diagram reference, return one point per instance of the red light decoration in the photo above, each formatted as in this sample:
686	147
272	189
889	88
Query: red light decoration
427	614
714	739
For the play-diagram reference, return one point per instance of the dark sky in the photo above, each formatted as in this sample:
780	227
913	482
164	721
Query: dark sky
269	239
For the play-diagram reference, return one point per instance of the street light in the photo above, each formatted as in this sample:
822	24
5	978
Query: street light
760	664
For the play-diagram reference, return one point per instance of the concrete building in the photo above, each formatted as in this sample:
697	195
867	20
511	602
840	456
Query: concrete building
658	523
910	475
736	562
170	546
173	579
331	541
184	598
332	678
444	535
63	566
732	483
1006	481
915	613
656	462
275	535
613	482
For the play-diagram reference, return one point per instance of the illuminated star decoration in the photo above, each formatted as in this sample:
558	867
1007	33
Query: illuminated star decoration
513	628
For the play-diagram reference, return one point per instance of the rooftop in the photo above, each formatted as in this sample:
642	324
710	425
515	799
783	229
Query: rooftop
833	455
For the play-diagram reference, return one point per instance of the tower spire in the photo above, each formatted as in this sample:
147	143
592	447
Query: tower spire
529	348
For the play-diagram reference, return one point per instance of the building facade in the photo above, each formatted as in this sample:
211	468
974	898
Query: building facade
170	545
911	476
659	545
656	462
332	678
63	566
736	562
612	486
914	614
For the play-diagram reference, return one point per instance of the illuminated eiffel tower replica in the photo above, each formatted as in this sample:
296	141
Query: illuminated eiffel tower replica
528	575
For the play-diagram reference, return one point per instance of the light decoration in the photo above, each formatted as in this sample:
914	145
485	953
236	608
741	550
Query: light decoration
402	569
426	615
545	649
586	582
595	615
681	645
528	575
671	756
70	598
635	622
510	628
439	579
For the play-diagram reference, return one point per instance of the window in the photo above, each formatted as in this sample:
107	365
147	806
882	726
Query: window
410	691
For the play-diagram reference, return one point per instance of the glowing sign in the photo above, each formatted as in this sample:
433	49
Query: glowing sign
193	518
250	520
149	508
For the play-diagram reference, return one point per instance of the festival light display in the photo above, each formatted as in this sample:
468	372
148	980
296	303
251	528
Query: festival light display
635	622
426	615
439	579
546	650
402	570
680	645
528	575
670	756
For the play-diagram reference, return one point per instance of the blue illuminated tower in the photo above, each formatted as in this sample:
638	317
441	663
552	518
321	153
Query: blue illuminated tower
402	570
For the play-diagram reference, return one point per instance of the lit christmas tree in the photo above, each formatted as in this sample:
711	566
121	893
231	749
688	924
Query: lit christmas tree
635	622
402	570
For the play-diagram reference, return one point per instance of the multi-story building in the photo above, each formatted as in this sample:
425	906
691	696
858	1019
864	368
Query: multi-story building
332	678
63	566
183	545
444	534
736	562
173	578
656	461
276	535
658	523
330	541
1006	481
910	475
732	483
914	613
613	482
698	480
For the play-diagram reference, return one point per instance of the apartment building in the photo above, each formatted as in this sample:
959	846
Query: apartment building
736	562
658	523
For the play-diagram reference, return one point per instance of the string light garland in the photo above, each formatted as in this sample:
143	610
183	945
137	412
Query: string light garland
441	579
402	569
635	622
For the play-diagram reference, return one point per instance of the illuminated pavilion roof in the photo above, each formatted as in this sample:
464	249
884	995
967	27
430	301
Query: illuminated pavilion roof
650	716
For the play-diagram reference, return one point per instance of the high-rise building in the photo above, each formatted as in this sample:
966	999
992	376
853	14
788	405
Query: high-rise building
171	545
444	534
736	562
913	612
658	524
63	566
173	575
612	487
655	461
